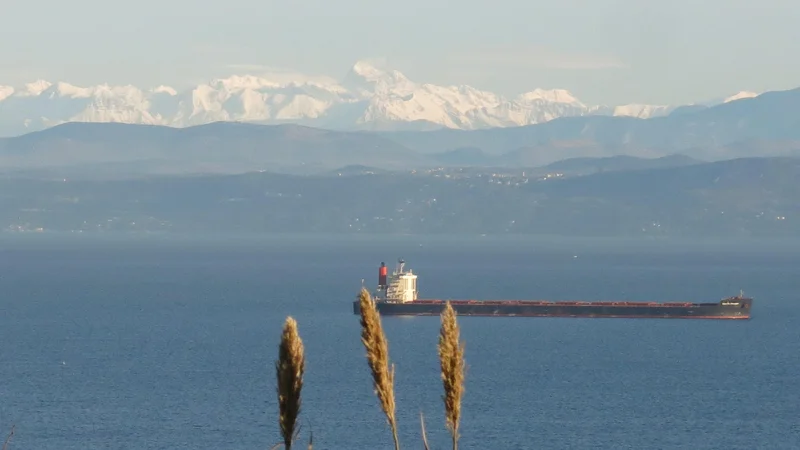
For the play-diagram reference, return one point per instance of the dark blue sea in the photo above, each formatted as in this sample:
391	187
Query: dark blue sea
165	343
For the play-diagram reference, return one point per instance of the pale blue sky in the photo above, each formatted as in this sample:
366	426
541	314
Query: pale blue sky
604	51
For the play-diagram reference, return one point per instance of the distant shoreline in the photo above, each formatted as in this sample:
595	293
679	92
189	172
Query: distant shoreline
523	242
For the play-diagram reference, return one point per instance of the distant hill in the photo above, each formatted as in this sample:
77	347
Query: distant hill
687	109
356	169
465	156
214	148
741	197
585	166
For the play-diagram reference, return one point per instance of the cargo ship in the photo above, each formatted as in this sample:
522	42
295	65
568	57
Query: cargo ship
396	295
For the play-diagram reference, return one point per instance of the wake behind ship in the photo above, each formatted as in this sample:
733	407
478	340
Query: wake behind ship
396	295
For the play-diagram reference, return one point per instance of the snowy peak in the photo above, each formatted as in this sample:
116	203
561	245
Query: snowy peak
549	95
33	89
642	111
5	92
240	83
237	84
165	90
368	70
368	77
61	89
740	95
377	72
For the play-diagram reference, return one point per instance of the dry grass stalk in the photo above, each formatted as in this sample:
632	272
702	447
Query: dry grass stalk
8	439
374	341
424	434
451	358
289	369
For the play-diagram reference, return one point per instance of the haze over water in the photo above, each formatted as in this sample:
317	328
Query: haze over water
154	343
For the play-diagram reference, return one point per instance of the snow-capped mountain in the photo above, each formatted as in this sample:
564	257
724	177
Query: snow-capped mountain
368	97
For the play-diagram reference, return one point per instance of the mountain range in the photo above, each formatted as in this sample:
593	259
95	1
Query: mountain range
765	125
369	97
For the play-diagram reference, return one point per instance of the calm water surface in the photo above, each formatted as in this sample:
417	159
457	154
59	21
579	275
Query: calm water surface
170	344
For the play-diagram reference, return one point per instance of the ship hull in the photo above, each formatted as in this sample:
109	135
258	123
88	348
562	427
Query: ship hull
740	311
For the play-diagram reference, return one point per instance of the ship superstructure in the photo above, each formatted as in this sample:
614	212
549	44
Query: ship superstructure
399	287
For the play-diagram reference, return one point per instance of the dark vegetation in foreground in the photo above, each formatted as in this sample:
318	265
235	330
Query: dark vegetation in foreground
290	368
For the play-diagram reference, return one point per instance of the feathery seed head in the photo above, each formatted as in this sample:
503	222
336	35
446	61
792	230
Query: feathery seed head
374	340
451	358
289	368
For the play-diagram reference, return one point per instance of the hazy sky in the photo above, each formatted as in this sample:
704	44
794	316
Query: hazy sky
604	51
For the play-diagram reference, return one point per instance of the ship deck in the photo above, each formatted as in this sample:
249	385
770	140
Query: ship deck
558	303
